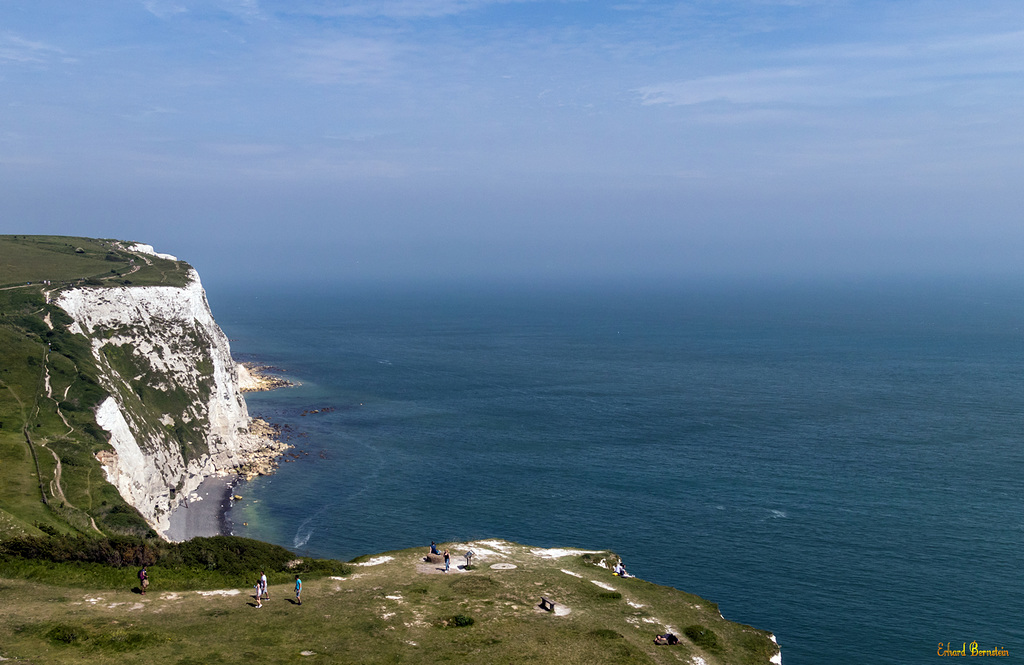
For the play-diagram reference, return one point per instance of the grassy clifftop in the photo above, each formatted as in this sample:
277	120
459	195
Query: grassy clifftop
391	608
71	260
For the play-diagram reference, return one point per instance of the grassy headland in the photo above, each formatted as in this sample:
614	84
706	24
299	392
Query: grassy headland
385	609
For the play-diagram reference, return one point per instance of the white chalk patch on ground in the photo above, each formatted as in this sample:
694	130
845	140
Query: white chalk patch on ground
569	572
632	604
603	585
503	566
136	606
340	579
170	595
558	553
220	592
376	561
496	544
561	610
394	597
387	615
113	605
650	620
94	600
697	660
633	620
307	653
410	642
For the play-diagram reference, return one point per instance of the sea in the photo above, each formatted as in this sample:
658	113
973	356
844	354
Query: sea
839	463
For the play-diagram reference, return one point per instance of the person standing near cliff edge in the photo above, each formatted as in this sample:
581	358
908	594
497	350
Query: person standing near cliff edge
447	560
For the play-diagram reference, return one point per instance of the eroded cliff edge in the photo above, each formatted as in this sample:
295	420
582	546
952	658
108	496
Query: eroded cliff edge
174	413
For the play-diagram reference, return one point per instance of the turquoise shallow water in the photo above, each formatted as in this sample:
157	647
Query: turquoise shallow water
840	465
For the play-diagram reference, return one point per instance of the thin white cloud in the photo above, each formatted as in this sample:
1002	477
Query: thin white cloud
17	49
403	9
163	9
761	86
245	8
841	73
352	60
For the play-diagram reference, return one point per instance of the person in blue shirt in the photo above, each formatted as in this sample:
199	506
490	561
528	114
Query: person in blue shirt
298	590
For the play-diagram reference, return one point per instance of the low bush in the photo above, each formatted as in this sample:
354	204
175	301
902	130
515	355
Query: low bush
458	621
195	563
116	551
64	634
703	637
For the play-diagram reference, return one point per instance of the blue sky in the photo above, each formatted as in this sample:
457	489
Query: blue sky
477	139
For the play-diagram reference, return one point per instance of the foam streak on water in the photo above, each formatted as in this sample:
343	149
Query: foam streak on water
840	466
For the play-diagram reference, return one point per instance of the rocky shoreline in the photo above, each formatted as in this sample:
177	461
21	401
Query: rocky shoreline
264	461
253	378
203	512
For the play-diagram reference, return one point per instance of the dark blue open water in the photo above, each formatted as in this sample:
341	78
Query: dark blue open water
840	465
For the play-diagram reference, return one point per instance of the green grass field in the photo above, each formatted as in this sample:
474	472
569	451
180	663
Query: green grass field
62	260
395	610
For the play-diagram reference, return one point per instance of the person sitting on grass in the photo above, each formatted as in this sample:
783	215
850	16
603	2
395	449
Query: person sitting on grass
667	638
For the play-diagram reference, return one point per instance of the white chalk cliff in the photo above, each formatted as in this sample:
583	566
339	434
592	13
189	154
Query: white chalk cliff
175	414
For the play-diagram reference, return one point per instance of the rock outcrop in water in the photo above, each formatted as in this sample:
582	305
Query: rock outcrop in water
175	414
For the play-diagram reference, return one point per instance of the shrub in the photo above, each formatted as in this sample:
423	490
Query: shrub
459	621
234	556
703	637
46	528
117	551
64	634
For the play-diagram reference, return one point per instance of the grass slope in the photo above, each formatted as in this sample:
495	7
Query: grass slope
49	477
65	260
397	609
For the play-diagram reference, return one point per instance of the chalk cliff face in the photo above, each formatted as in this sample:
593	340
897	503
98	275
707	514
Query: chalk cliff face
175	414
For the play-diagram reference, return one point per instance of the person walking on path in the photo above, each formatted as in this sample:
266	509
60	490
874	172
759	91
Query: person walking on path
263	585
259	592
143	581
447	560
298	590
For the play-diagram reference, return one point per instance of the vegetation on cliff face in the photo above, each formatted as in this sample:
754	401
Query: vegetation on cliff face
50	479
